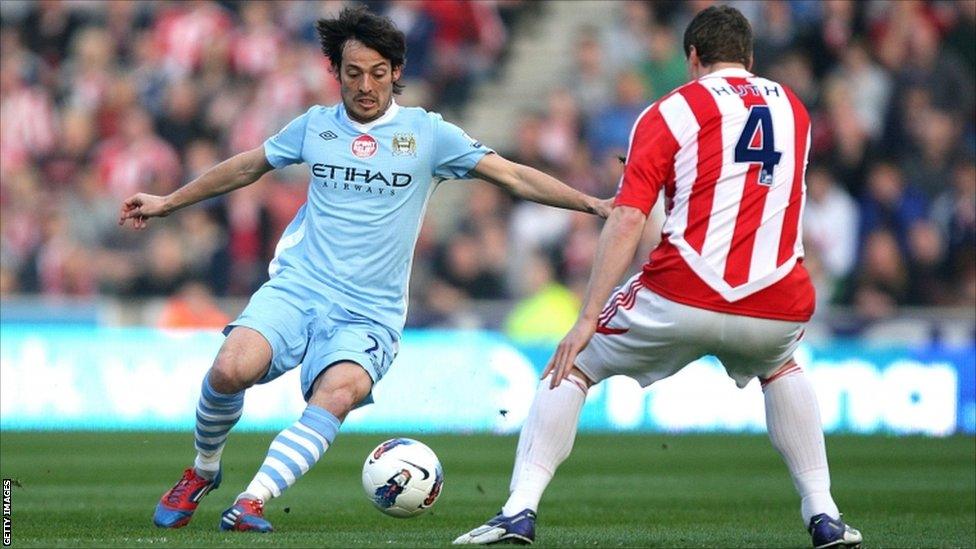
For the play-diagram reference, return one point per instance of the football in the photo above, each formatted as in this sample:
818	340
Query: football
402	477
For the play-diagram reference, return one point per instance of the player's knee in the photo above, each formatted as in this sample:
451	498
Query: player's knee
340	388
232	371
340	401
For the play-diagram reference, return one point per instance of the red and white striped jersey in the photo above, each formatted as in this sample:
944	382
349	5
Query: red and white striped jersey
730	151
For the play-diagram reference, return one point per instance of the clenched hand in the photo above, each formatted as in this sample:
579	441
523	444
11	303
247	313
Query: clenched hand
140	207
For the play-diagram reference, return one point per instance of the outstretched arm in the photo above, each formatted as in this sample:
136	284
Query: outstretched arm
618	242
531	184
235	172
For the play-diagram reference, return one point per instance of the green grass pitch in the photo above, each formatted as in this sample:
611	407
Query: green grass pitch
99	490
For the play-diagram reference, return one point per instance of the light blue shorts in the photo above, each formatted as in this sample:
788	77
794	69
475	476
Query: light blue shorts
316	334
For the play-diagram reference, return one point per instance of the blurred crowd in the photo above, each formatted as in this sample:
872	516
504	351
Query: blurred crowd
890	218
102	99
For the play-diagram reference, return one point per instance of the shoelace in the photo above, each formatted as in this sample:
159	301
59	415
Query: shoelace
176	494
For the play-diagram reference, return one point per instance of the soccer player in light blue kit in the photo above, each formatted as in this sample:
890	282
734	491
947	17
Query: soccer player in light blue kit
336	301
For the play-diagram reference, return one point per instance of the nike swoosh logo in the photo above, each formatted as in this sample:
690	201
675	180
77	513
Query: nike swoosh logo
421	469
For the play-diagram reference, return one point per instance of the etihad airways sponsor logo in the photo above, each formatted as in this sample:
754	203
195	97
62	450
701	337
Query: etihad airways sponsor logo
365	180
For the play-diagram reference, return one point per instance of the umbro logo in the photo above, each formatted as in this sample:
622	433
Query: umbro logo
328	135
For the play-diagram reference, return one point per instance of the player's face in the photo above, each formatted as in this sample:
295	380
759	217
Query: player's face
366	79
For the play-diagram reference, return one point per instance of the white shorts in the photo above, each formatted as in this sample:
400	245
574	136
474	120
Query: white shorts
648	337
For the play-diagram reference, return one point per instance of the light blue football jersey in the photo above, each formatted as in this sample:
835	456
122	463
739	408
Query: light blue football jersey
352	242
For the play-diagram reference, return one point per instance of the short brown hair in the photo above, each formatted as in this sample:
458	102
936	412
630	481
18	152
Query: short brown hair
374	31
720	34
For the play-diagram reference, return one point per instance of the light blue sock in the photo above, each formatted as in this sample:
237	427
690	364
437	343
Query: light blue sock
293	452
216	414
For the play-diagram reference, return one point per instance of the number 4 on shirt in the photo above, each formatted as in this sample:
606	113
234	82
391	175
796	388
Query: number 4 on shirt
755	145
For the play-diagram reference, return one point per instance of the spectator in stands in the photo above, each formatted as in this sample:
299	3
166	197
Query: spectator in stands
50	27
882	283
468	36
845	134
609	130
89	210
181	122
27	111
59	265
256	46
870	84
794	69
891	204
460	264
831	35
589	78
955	213
61	166
409	17
935	138
137	158
961	38
164	267
925	252
830	231
187	33
577	251
527	142
192	306
547	310
625	43
663	67
775	33
205	248
560	129
928	75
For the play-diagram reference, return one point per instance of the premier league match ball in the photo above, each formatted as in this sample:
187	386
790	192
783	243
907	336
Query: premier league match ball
402	477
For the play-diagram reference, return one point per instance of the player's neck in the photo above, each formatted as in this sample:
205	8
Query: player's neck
721	65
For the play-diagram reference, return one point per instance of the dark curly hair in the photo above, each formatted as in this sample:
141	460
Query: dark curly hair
374	31
720	34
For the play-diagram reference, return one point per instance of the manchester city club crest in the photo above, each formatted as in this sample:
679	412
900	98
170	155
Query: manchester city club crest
404	144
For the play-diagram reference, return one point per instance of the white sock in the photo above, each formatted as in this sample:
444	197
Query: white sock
793	422
546	440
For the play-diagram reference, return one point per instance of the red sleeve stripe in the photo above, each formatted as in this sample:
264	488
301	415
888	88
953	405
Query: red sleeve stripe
709	119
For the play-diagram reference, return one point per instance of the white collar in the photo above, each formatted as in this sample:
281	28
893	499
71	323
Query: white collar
391	111
729	72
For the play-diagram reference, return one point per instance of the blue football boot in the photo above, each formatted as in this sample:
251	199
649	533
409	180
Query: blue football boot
518	529
831	532
246	515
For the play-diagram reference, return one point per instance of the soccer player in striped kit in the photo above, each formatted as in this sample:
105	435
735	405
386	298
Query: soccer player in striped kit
729	151
337	298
